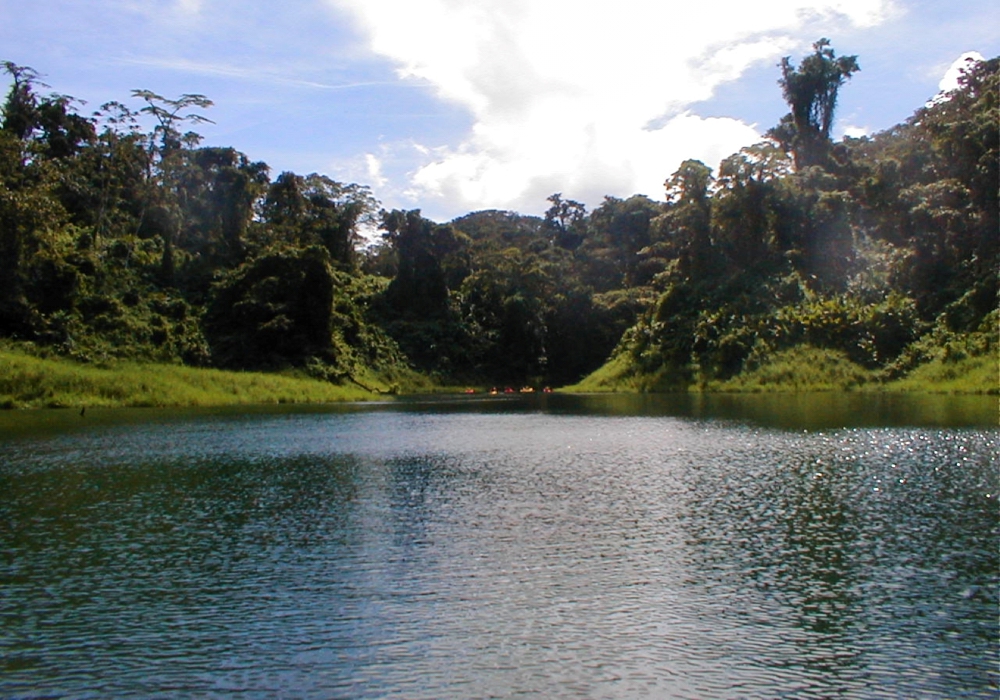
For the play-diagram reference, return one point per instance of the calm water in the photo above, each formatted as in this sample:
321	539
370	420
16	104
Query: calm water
560	547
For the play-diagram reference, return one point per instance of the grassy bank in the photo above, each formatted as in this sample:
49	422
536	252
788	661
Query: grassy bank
27	381
963	375
812	369
805	368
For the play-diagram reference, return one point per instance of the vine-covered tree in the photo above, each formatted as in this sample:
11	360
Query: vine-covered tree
317	210
564	219
689	217
811	92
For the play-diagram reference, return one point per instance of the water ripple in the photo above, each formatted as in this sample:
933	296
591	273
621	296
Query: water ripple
450	554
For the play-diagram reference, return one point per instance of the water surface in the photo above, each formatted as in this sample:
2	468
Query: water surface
553	546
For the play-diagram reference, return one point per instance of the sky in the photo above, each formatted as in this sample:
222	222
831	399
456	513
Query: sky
451	106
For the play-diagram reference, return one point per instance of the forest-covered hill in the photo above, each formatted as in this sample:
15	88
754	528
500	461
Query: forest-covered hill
122	237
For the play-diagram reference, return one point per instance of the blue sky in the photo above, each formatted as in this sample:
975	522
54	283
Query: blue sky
456	105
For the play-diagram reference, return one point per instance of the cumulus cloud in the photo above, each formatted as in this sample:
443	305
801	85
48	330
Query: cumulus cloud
856	132
584	98
949	81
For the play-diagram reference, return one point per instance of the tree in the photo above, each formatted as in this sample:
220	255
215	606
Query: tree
745	210
219	188
506	304
164	213
929	188
107	187
316	210
565	219
420	288
274	310
962	131
688	218
169	114
20	111
811	92
622	225
29	208
47	123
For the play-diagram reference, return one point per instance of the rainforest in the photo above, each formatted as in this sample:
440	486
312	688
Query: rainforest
129	250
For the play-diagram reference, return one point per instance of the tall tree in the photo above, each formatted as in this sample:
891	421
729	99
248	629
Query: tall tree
424	250
565	220
47	122
318	210
167	163
20	110
169	114
220	187
811	92
745	210
622	225
273	310
688	218
29	207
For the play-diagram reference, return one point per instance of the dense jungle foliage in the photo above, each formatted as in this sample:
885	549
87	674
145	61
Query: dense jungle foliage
122	237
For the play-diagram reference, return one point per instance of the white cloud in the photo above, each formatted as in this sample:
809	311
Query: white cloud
276	75
584	98
950	79
856	132
373	168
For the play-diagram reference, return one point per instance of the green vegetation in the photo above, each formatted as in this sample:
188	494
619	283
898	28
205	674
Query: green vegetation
810	369
27	381
941	362
953	362
135	254
803	368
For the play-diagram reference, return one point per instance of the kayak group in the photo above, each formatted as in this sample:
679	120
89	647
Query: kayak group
509	390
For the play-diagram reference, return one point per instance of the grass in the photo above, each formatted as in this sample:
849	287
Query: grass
27	381
614	376
805	368
798	369
802	368
963	375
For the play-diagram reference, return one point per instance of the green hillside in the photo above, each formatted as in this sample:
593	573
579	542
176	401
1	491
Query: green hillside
797	263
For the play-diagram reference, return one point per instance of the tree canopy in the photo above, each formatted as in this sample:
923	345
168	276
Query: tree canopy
122	236
811	92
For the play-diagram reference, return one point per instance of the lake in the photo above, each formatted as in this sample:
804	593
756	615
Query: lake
538	546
